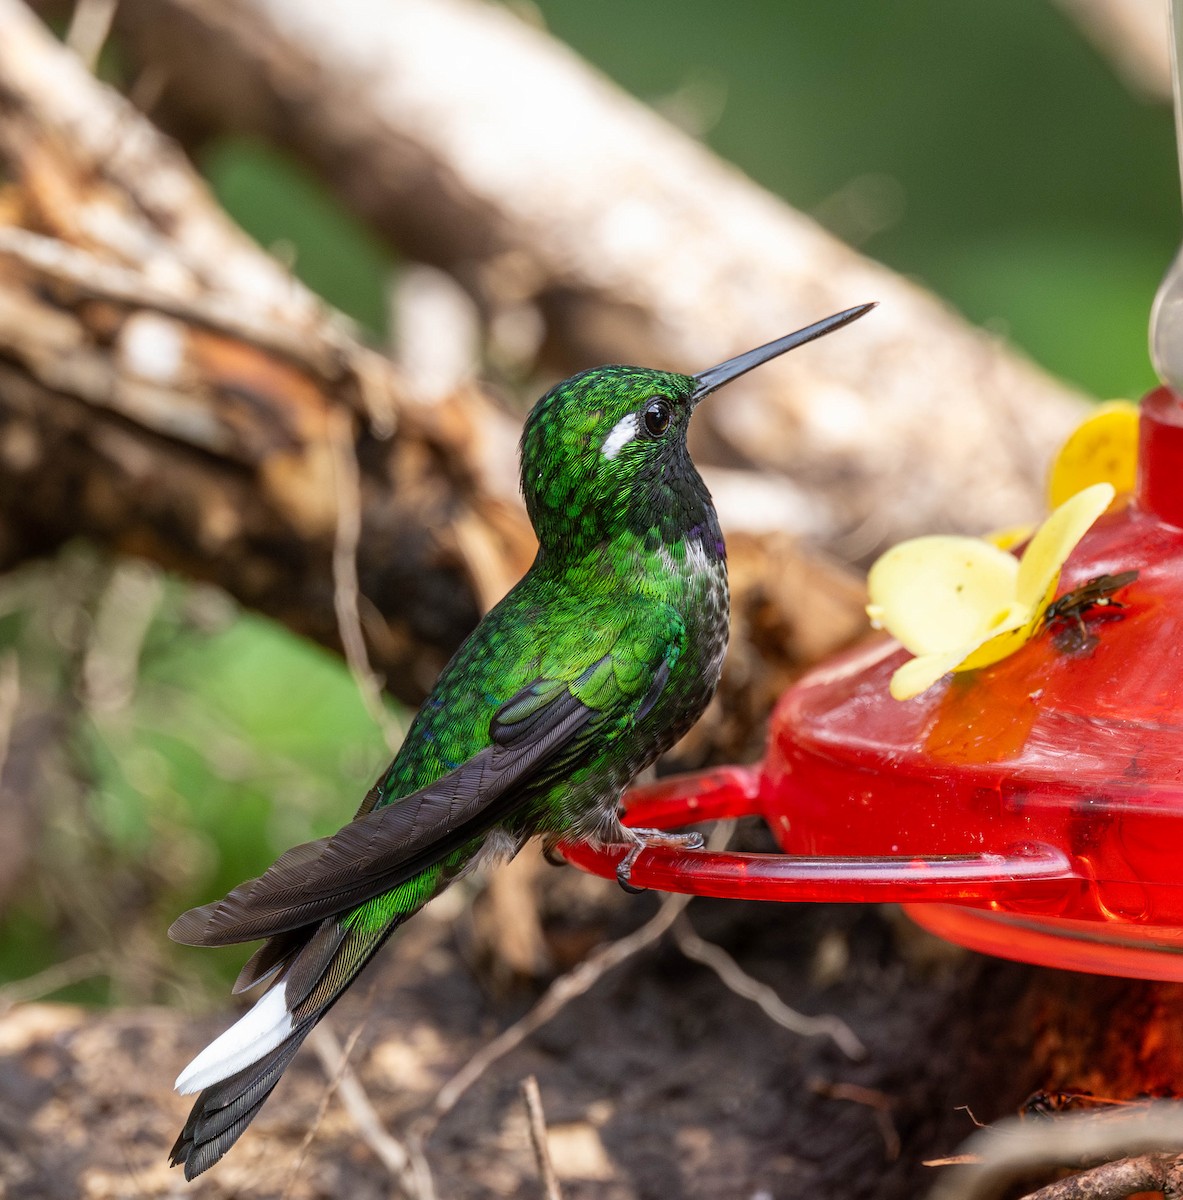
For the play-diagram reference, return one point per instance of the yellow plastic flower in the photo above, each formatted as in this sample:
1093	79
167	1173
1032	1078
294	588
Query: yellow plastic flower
1102	449
959	603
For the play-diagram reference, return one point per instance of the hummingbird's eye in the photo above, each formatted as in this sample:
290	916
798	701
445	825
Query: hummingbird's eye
657	417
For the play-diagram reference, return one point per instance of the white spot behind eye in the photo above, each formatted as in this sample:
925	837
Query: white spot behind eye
619	436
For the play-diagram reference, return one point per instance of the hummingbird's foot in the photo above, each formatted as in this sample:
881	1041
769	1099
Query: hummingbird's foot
644	839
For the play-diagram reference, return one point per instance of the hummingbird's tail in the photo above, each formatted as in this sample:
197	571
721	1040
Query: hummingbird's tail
237	1071
327	906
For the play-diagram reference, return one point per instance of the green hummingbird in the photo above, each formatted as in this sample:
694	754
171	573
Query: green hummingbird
597	661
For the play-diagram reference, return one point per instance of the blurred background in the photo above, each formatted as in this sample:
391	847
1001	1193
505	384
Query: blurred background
171	744
990	152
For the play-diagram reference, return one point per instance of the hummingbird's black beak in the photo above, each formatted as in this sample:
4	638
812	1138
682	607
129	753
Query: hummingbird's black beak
715	377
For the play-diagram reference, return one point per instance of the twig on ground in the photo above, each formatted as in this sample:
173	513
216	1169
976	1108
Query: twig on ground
1118	1180
880	1103
538	1138
389	1151
556	997
736	979
561	992
340	1064
1015	1149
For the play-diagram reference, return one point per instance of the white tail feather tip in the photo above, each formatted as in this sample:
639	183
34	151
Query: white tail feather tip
257	1033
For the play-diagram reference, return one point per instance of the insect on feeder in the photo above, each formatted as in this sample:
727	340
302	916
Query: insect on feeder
1031	809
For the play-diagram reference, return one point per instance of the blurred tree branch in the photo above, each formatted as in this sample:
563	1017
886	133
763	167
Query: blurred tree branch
1133	36
477	143
166	388
169	390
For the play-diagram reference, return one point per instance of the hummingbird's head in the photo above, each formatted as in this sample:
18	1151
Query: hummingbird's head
604	452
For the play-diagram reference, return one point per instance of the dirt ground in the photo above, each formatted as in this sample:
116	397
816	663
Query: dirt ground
658	1083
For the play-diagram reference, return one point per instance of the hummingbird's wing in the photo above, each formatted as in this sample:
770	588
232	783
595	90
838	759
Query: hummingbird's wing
546	725
387	846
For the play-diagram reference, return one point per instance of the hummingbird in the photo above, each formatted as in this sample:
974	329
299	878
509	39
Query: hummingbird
602	656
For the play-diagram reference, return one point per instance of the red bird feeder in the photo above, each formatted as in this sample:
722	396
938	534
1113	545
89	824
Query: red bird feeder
1032	809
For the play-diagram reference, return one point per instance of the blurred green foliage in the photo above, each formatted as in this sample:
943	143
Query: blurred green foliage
982	148
190	744
283	207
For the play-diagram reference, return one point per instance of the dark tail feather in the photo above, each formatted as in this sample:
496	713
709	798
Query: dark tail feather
237	1072
272	956
223	1111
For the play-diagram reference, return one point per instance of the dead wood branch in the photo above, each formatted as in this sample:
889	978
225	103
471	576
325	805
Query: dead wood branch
169	390
733	976
168	437
538	1138
1014	1149
1119	1180
477	143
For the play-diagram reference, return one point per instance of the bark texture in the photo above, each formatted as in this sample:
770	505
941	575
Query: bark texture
169	390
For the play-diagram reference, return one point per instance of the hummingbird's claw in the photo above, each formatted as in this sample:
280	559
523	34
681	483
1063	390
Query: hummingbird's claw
624	868
643	839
